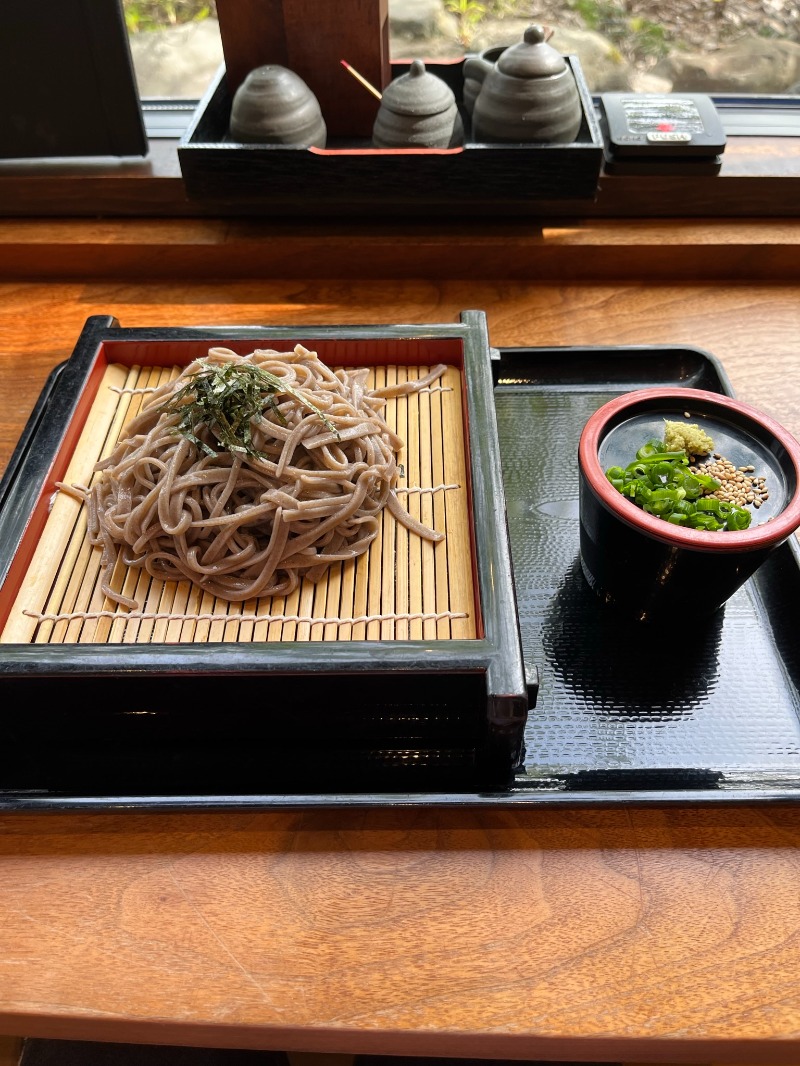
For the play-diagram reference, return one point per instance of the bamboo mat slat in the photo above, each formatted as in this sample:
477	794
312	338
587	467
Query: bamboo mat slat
401	588
426	514
386	575
438	517
457	507
402	538
414	505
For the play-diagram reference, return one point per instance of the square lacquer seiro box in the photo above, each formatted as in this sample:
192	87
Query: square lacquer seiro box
395	665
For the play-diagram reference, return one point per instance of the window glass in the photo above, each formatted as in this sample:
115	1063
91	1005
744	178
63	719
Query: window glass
175	46
708	46
711	46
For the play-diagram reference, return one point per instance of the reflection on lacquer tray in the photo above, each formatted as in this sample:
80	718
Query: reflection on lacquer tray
623	668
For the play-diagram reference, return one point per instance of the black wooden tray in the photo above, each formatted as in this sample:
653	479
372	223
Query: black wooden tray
624	715
350	178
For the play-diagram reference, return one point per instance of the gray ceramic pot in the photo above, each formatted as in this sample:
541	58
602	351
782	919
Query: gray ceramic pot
528	94
275	106
418	110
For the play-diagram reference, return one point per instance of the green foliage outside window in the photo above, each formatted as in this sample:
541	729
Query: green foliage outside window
143	15
468	14
635	35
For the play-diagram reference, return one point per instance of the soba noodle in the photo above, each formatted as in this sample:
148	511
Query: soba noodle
306	492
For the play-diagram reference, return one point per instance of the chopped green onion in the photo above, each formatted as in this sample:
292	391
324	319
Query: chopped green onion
650	448
661	483
739	518
708	503
701	520
657	457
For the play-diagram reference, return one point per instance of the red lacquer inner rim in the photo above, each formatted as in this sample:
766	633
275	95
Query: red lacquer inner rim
763	536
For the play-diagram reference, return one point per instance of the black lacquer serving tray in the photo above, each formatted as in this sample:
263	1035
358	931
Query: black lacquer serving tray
623	714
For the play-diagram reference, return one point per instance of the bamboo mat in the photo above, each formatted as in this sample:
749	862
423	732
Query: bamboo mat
402	588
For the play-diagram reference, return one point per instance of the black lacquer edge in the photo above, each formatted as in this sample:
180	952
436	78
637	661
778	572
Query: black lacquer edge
508	688
29	466
782	793
622	365
28	434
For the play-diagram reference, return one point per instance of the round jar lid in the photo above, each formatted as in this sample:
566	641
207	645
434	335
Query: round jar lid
418	92
532	57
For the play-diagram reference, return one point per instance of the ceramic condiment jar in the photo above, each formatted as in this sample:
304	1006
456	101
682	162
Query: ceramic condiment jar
273	105
528	94
418	110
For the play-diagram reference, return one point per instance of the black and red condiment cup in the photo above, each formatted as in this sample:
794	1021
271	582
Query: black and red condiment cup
650	569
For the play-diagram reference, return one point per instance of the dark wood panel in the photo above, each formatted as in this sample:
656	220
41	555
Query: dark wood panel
577	249
312	38
67	81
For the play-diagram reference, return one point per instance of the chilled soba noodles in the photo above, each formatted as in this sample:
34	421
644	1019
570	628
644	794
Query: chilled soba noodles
246	473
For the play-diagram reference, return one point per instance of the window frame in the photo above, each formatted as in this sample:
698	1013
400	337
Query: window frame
759	176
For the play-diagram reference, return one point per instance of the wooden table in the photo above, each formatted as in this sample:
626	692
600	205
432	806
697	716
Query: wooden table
658	935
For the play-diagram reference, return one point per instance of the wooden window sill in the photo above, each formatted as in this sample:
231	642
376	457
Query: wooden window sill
571	250
760	178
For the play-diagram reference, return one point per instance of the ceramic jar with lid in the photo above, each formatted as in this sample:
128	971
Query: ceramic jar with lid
418	110
273	105
528	94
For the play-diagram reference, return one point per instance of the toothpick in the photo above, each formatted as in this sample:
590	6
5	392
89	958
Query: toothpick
363	80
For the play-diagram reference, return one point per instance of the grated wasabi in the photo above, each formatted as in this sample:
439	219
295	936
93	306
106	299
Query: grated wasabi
688	437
